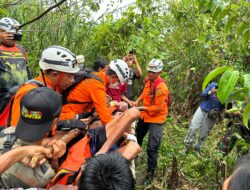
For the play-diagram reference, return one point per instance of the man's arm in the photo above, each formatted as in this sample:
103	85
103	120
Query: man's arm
138	68
17	154
209	90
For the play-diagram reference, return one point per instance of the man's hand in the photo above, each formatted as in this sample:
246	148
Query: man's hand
214	91
59	148
32	152
6	36
122	106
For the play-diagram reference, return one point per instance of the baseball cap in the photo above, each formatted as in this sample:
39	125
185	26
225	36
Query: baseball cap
39	107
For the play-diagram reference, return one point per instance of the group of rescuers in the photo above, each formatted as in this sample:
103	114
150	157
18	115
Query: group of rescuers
38	118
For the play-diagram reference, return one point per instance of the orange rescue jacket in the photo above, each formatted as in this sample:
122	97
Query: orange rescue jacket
91	91
24	89
155	103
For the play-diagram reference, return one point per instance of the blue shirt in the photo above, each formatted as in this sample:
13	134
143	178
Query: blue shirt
210	101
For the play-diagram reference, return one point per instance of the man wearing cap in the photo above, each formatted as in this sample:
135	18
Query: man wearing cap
58	66
203	120
155	97
40	109
13	69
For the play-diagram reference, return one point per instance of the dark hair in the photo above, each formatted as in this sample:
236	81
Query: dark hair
108	171
241	175
110	72
100	63
132	51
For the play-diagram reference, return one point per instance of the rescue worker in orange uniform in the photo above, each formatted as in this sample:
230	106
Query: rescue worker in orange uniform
153	115
58	66
92	92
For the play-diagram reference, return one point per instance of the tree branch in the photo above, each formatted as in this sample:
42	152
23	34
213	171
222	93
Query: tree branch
44	13
4	6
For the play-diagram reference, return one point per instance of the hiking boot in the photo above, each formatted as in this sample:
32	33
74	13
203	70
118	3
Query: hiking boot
149	178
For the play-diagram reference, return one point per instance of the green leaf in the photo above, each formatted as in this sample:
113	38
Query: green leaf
242	27
245	37
238	94
202	4
227	84
216	12
230	22
211	5
223	13
246	112
214	74
172	62
247	83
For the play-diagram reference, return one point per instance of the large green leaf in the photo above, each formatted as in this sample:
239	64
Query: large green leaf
216	12
242	27
246	112
230	22
227	84
224	13
247	83
245	37
214	74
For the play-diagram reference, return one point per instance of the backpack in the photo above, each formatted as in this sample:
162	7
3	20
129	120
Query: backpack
5	116
80	76
7	139
154	86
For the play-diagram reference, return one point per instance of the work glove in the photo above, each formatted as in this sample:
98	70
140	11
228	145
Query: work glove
131	137
67	125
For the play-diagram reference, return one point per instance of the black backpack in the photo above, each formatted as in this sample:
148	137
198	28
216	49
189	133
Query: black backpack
79	76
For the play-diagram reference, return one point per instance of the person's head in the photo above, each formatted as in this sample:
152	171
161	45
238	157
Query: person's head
118	71
108	171
129	59
10	25
100	65
240	179
59	64
154	69
40	109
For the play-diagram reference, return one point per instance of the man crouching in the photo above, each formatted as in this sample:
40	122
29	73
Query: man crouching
40	109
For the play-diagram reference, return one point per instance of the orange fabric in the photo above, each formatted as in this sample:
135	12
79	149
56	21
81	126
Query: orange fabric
15	111
13	49
4	116
102	75
88	90
157	112
76	157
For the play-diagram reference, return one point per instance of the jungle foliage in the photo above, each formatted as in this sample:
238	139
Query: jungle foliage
199	41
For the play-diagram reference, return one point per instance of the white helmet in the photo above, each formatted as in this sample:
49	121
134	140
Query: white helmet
155	65
121	69
9	25
60	59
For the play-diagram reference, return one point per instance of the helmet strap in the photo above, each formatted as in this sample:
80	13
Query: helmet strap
44	81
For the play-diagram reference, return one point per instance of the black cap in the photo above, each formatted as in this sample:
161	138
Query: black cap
39	108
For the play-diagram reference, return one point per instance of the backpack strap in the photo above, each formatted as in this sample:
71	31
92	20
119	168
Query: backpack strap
32	81
80	76
153	87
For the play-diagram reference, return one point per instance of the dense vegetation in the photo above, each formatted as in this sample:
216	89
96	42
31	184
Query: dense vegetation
191	37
